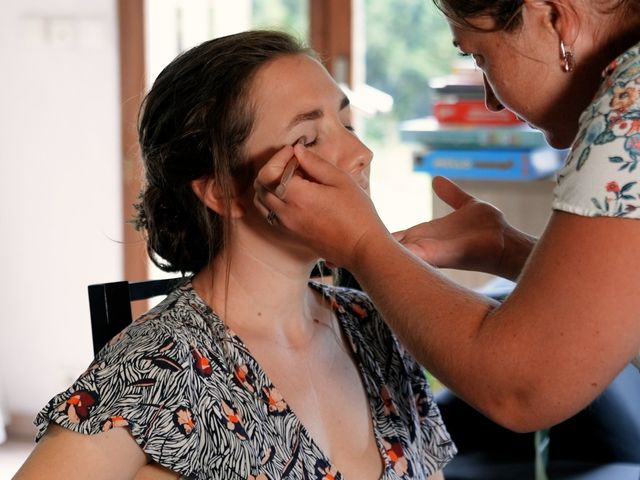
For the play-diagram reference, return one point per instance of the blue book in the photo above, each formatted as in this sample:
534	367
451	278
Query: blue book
491	164
428	132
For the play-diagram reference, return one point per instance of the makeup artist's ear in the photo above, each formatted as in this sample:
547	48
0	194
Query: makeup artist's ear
560	18
213	196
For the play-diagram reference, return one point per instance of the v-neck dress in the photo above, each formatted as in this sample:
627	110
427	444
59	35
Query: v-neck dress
198	403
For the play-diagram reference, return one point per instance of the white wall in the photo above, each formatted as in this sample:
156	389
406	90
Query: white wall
59	189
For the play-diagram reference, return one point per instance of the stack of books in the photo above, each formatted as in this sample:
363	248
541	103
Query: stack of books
459	99
465	140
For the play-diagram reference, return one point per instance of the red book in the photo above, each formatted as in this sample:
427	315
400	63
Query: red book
471	112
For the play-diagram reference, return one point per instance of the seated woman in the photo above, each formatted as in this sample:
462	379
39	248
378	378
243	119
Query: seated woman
247	370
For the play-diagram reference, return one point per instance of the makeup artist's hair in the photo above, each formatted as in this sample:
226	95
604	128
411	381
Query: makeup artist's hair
507	13
193	123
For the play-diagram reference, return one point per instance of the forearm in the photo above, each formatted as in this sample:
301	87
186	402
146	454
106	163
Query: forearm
439	321
452	331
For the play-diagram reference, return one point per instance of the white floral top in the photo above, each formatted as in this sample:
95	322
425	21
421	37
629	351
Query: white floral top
601	175
198	403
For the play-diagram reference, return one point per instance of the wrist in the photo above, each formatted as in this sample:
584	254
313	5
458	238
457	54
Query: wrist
517	248
371	244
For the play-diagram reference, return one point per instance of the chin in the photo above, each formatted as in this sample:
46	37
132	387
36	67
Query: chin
559	140
558	143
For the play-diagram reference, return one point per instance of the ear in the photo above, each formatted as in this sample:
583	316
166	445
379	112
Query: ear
559	17
213	196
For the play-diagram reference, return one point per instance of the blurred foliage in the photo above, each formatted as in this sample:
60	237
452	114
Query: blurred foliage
291	16
407	42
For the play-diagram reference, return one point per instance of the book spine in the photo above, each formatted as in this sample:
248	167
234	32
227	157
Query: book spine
490	164
471	112
476	138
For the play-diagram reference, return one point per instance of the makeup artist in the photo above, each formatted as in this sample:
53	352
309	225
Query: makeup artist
570	68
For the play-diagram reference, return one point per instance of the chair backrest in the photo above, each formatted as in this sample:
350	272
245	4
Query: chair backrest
110	305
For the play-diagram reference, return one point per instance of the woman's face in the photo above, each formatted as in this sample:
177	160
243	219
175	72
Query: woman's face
522	72
296	100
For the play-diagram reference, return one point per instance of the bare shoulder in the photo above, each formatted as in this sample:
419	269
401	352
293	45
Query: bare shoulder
62	454
153	471
578	304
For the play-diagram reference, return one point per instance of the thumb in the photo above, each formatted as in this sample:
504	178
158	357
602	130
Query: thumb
399	236
450	193
317	168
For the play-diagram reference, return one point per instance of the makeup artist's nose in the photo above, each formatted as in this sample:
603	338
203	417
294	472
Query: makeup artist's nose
490	99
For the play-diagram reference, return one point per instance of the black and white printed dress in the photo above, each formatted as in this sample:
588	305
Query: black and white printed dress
198	403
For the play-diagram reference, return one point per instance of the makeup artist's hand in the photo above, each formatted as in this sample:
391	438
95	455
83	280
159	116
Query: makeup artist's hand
475	236
322	205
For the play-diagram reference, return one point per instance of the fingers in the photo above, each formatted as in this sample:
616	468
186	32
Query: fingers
268	177
450	193
271	172
317	168
279	185
260	201
399	236
289	170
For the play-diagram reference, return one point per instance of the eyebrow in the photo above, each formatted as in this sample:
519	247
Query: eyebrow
315	114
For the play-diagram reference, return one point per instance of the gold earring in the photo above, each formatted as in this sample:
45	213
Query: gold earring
568	60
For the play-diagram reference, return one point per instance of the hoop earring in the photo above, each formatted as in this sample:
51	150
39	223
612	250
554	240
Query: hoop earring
568	60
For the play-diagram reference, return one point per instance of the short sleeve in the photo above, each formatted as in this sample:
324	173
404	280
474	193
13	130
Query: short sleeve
601	175
145	382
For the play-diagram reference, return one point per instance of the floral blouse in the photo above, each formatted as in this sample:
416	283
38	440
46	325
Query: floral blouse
601	175
197	402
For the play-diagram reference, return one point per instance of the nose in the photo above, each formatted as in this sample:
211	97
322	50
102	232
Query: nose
356	156
490	99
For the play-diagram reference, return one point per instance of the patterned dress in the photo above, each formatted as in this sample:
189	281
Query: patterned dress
197	402
601	176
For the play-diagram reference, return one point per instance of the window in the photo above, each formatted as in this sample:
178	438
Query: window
406	42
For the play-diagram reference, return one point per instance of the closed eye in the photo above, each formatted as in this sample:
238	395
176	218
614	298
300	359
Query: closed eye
315	140
461	52
311	143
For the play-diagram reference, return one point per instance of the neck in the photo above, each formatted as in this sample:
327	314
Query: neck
264	292
624	32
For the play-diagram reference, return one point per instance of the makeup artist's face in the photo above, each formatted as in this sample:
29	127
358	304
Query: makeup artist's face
295	99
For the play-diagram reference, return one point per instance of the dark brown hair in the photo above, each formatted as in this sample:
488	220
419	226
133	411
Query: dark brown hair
506	13
193	124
